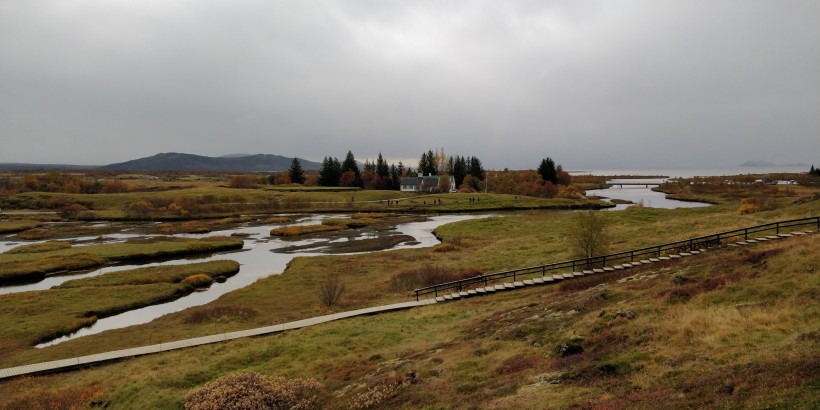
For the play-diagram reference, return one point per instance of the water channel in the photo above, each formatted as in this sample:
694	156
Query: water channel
640	195
260	257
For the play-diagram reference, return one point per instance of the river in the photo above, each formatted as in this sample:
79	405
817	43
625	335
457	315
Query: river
258	258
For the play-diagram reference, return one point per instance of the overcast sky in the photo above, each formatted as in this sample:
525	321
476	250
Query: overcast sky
592	84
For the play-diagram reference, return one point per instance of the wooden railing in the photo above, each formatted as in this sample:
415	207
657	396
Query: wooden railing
657	251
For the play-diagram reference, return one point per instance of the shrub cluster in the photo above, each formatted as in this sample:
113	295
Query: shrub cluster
199	280
253	391
377	395
429	275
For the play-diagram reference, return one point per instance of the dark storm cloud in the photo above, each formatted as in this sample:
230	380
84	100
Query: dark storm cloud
592	84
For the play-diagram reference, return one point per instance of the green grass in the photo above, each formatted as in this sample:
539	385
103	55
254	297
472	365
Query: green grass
157	274
40	247
37	316
32	317
214	200
12	226
499	351
657	358
32	266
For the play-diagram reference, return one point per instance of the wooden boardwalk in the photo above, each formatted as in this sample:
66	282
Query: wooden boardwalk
90	360
85	361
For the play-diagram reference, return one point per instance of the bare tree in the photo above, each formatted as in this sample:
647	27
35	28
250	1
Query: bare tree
589	235
331	290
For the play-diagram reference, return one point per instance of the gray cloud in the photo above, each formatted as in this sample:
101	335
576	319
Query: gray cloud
589	83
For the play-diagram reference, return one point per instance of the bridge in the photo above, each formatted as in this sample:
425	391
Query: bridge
623	184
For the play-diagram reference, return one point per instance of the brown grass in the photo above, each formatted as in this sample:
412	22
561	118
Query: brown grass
415	278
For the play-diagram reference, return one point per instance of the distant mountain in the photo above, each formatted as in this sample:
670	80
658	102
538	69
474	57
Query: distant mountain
234	155
173	161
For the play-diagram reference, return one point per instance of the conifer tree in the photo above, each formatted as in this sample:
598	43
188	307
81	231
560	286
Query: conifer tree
547	170
296	173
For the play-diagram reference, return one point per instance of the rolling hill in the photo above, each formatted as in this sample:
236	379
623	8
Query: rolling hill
172	161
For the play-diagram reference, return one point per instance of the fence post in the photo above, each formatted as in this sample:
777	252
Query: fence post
544	269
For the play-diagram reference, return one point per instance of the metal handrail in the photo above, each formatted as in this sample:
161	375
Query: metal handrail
700	242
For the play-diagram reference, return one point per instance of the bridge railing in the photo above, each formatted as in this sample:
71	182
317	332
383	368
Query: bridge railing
677	247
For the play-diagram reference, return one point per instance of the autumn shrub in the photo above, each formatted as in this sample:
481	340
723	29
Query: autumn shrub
415	278
72	211
747	209
253	391
570	192
331	290
199	280
228	313
139	209
570	346
43	399
445	247
114	187
242	182
379	393
516	364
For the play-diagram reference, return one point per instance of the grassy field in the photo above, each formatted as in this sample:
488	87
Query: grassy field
11	226
31	266
499	351
734	328
209	198
33	317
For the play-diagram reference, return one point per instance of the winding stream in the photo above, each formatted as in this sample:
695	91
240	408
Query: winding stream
258	259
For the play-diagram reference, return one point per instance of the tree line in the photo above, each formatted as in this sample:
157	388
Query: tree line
468	172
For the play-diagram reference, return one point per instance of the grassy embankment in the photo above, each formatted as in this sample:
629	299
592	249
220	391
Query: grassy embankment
210	198
730	328
333	353
38	316
30	264
12	226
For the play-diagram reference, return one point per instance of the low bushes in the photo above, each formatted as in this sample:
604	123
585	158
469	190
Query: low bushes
198	281
429	275
253	391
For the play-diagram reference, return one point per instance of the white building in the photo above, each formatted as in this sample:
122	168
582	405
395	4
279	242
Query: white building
429	183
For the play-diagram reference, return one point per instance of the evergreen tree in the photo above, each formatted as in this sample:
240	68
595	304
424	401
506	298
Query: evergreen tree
350	164
476	169
395	177
547	170
331	172
382	170
296	173
427	163
459	170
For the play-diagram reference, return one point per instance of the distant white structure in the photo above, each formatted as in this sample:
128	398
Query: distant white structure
427	183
